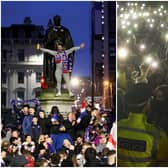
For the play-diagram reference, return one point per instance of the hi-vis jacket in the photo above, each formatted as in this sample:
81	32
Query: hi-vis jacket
141	144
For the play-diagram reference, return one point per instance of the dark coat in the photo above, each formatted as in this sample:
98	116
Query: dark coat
44	123
35	131
70	129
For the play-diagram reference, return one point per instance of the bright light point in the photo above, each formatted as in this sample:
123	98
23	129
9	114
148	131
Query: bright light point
103	66
135	25
155	12
128	23
143	4
159	9
153	20
102	22
122	53
148	20
134	16
165	11
123	26
102	17
126	16
131	11
129	31
146	14
128	4
121	16
151	25
103	55
142	7
140	14
162	25
136	4
75	81
127	41
155	64
162	6
166	36
102	37
161	14
123	22
122	9
142	47
148	60
106	83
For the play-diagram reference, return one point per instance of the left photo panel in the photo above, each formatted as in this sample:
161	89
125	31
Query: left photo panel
58	84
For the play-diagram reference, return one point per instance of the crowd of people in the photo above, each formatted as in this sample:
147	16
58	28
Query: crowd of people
33	139
142	99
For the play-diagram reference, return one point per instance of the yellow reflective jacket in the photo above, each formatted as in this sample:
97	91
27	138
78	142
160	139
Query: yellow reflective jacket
140	143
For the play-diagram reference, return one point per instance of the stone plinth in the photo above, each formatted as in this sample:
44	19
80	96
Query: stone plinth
48	100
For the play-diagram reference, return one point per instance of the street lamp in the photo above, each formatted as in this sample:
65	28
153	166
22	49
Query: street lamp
75	81
106	94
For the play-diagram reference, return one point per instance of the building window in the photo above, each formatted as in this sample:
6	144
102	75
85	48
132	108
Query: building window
4	56
21	55
3	78
20	94
38	76
3	98
37	93
20	77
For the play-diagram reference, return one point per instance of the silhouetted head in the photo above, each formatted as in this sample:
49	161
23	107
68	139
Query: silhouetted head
159	101
137	97
57	20
55	110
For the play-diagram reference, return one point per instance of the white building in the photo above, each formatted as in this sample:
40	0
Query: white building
21	63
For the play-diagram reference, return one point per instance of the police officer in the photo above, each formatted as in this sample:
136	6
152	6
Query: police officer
140	143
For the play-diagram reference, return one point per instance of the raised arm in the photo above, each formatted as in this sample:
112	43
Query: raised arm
46	50
69	51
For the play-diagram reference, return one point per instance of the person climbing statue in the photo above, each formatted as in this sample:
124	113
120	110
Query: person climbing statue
61	60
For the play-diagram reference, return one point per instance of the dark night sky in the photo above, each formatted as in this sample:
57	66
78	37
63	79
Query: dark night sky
76	16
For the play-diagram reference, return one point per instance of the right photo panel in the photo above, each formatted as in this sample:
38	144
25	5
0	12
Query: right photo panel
142	83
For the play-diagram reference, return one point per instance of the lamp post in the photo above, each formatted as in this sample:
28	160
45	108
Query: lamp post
107	94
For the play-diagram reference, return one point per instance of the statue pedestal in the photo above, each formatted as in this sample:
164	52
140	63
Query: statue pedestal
48	100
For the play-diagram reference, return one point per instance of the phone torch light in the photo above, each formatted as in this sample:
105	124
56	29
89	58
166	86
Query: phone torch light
149	60
122	53
155	64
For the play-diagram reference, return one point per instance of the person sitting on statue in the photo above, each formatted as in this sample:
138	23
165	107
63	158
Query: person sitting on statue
61	60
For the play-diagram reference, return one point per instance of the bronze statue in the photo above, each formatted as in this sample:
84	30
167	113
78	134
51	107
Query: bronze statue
56	33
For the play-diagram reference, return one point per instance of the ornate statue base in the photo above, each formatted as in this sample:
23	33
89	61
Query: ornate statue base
48	99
